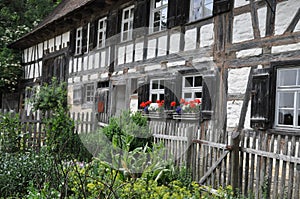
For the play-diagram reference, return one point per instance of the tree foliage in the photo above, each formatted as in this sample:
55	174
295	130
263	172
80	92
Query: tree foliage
17	17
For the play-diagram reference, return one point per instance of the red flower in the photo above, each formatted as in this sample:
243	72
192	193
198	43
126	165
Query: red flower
173	104
143	105
186	103
148	103
198	101
160	104
158	101
193	105
182	101
162	101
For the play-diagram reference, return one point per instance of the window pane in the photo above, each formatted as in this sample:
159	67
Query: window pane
286	100
165	2
124	36
298	118
125	27
126	14
155	84
154	98
287	77
157	3
198	81
188	82
161	97
208	10
187	95
162	84
286	117
198	95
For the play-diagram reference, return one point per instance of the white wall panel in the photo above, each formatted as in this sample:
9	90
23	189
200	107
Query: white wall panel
162	45
190	39
139	49
151	48
129	53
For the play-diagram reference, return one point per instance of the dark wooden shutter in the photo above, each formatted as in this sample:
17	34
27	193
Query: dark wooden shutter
172	91
208	96
84	38
260	104
72	42
178	12
93	35
141	17
221	6
143	93
111	24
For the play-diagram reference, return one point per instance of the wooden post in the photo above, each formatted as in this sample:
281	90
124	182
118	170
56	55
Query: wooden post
189	134
235	140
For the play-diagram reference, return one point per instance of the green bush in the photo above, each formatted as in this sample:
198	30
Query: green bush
18	170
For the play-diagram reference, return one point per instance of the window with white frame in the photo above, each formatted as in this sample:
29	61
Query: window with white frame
157	90
192	87
127	23
101	32
288	97
77	95
89	92
200	9
159	15
78	41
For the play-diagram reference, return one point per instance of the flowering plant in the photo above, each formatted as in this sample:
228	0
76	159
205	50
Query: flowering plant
145	106
189	107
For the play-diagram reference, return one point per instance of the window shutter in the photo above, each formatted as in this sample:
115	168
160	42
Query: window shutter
183	10
141	17
172	91
112	20
84	38
72	42
208	96
143	93
221	6
172	12
260	104
92	40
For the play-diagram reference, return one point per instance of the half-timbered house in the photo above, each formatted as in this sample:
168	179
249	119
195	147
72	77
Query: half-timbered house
240	57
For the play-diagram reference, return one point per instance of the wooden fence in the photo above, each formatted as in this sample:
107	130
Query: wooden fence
266	165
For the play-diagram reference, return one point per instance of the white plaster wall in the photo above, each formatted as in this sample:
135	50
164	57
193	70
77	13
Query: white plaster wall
233	114
152	67
249	52
175	43
121	54
65	39
91	61
75	65
25	55
285	48
190	38
129	53
285	12
85	63
297	28
242	28
151	48
51	45
77	79
94	77
31	71
40	68
237	80
79	64
40	50
45	45
58	42
262	17
239	3
207	35
139	51
103	53
97	60
70	66
30	55
162	46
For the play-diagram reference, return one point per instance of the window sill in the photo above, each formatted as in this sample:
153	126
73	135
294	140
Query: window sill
198	20
284	131
157	33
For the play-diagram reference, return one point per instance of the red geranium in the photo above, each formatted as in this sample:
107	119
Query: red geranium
148	103
173	104
193	105
198	101
143	105
182	101
158	101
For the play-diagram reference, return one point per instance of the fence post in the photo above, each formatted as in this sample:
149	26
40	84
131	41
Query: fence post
235	141
189	134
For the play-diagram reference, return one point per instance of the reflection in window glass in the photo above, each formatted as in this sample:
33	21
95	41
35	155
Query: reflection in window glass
159	14
200	9
287	77
286	100
286	117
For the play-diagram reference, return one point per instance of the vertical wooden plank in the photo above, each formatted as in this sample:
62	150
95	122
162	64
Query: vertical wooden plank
189	135
297	181
258	166
291	169
241	163
270	166
252	166
263	163
247	159
277	164
283	169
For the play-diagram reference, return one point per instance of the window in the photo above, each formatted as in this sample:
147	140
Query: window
127	24
192	87
77	94
101	33
89	92
288	97
78	41
200	9
159	14
157	90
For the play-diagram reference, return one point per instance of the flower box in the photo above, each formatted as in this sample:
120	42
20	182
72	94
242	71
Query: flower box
187	116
